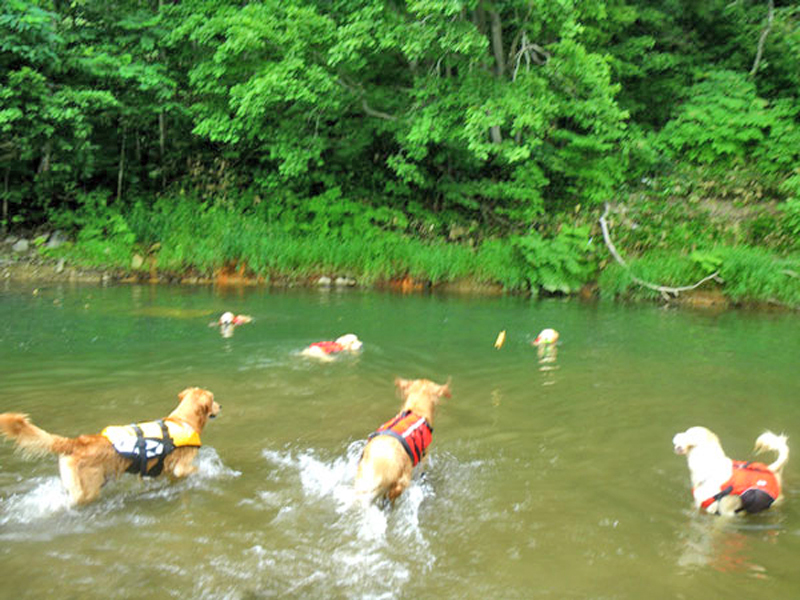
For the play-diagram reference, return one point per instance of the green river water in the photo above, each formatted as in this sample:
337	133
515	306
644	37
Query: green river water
543	481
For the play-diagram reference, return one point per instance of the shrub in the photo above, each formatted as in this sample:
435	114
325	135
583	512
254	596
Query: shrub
722	120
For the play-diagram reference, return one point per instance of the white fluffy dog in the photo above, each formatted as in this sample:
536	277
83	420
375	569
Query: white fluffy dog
723	486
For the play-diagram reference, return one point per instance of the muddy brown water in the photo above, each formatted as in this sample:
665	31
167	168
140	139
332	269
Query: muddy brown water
552	480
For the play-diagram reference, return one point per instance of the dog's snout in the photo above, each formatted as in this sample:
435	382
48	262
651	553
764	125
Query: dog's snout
215	408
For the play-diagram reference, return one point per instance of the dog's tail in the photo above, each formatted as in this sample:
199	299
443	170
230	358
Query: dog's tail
31	440
375	479
368	486
770	442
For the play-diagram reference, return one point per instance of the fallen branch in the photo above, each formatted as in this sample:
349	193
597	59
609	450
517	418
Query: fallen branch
664	290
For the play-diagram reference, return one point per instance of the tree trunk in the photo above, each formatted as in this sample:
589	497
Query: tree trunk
5	198
162	142
499	63
121	172
44	164
162	124
497	44
479	19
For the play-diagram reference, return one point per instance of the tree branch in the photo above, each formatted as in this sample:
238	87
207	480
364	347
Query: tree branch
376	113
763	38
532	53
664	290
364	105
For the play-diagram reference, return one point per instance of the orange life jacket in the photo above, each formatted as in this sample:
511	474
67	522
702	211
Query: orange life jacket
753	482
328	347
142	442
411	430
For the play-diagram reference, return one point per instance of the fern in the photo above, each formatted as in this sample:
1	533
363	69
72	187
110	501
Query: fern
559	265
723	119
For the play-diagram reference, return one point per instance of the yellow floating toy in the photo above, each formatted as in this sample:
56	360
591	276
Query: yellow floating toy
501	339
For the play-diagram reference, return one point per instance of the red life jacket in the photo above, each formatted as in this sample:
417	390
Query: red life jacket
328	347
753	482
411	430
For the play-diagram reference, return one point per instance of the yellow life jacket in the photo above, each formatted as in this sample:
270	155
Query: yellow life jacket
142	442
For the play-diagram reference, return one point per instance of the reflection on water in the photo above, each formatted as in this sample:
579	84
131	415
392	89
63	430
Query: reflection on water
546	344
727	545
550	475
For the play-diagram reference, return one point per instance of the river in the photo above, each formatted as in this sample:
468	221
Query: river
544	480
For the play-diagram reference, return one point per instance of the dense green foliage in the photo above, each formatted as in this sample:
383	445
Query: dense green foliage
433	138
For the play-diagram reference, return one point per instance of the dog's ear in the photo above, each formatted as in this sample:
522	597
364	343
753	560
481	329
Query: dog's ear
184	393
208	403
402	385
444	390
204	405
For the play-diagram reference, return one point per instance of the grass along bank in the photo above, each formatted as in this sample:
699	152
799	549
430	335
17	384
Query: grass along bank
185	240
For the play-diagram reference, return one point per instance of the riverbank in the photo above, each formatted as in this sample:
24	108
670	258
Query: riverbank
23	261
654	245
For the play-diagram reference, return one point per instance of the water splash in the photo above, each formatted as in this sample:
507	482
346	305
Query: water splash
367	545
42	498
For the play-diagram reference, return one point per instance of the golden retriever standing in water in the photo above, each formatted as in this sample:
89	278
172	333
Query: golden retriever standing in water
400	444
87	462
723	486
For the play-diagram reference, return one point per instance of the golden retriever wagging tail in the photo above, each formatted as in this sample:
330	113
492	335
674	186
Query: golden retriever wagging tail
87	462
725	487
395	448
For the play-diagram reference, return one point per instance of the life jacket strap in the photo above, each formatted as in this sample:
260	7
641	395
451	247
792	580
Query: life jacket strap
716	497
402	441
141	446
169	446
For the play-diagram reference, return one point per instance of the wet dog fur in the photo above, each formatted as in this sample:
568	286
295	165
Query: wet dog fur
710	468
385	469
87	462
